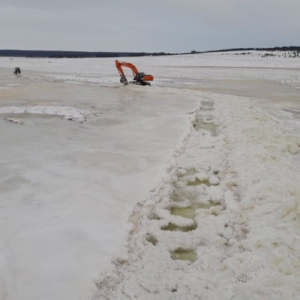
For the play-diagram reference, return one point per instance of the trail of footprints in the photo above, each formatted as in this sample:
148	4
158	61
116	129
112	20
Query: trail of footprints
192	198
206	122
182	204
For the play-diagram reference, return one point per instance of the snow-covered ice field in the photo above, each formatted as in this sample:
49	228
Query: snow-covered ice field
189	189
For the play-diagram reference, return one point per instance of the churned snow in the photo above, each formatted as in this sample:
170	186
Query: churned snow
189	189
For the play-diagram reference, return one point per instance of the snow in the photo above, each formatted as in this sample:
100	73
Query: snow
14	120
69	113
188	189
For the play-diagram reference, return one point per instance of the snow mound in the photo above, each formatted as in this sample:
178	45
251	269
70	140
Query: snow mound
223	222
67	112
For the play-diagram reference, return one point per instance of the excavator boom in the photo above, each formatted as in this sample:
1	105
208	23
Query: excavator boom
138	77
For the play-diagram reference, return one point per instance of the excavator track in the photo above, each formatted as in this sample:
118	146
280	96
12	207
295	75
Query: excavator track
143	83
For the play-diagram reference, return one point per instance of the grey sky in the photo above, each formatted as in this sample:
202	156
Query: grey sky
152	25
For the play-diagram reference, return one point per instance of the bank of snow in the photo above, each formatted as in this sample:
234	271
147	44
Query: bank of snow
223	222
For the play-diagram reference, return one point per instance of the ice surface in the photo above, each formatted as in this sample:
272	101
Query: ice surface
68	189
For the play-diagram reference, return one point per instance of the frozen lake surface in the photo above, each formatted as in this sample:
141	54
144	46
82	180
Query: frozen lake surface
186	189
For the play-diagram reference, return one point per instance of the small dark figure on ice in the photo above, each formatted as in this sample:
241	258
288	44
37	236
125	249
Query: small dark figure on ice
17	71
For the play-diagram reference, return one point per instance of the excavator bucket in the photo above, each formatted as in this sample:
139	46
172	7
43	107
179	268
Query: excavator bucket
123	80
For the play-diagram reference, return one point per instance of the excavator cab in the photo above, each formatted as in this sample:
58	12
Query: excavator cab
139	78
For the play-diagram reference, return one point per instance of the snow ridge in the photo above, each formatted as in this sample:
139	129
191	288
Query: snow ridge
216	226
68	112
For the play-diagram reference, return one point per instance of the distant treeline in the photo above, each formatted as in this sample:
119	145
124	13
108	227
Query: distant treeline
285	48
82	54
74	54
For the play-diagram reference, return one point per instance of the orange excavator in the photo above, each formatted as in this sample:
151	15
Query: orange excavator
139	78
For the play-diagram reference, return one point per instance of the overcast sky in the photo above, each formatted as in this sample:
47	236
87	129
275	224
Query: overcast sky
152	25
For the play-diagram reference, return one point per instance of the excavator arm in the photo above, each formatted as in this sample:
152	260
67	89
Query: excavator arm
138	77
